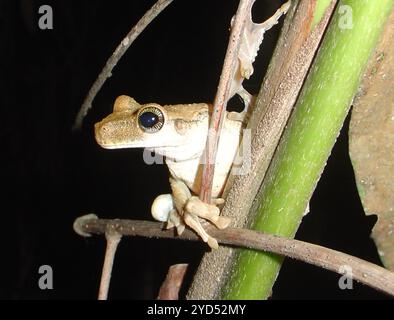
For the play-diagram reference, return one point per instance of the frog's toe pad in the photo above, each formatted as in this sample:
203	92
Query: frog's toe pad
213	243
222	222
180	228
169	225
218	201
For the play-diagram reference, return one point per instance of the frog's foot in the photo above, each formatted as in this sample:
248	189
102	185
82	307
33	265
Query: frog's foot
207	211
181	208
184	201
193	222
174	220
163	210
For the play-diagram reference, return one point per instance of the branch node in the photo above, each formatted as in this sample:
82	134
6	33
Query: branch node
79	223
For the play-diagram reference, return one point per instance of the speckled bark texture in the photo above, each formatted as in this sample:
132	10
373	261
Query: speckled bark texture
309	137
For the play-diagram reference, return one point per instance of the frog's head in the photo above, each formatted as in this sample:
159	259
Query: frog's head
177	131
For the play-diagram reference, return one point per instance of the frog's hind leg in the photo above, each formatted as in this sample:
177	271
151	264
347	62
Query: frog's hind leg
207	211
190	208
192	221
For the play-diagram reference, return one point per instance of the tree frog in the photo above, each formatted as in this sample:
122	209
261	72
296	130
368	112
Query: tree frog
179	133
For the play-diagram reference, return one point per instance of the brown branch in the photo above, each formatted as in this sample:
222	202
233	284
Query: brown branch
152	13
221	98
113	239
169	290
362	271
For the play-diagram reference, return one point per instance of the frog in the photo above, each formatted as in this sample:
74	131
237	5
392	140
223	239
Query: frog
178	133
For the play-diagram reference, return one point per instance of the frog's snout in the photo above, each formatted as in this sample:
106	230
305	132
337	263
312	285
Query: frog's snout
101	131
113	133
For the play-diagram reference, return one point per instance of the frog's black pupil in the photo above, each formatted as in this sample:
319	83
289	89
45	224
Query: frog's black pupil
148	119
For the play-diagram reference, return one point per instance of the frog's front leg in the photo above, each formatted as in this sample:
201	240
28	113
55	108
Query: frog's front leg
188	204
183	208
164	210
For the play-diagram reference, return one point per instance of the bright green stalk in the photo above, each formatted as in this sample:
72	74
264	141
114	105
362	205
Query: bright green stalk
321	7
309	138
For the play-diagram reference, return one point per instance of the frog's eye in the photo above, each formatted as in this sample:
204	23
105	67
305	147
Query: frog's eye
151	119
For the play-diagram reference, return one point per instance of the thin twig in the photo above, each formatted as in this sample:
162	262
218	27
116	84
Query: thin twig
169	290
152	13
113	239
221	98
362	271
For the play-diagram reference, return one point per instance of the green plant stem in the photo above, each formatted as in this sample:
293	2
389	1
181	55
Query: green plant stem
321	7
309	138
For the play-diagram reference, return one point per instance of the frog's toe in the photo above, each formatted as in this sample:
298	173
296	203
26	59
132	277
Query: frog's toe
222	222
170	225
218	201
212	242
174	221
180	228
193	222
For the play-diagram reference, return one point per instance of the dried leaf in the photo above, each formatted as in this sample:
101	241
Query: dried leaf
169	290
252	37
372	144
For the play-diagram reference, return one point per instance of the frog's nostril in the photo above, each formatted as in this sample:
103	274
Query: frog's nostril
102	128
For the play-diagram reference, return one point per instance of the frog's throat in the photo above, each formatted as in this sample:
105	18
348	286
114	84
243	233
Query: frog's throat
177	153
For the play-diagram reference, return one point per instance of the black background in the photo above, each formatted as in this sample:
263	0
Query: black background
50	175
